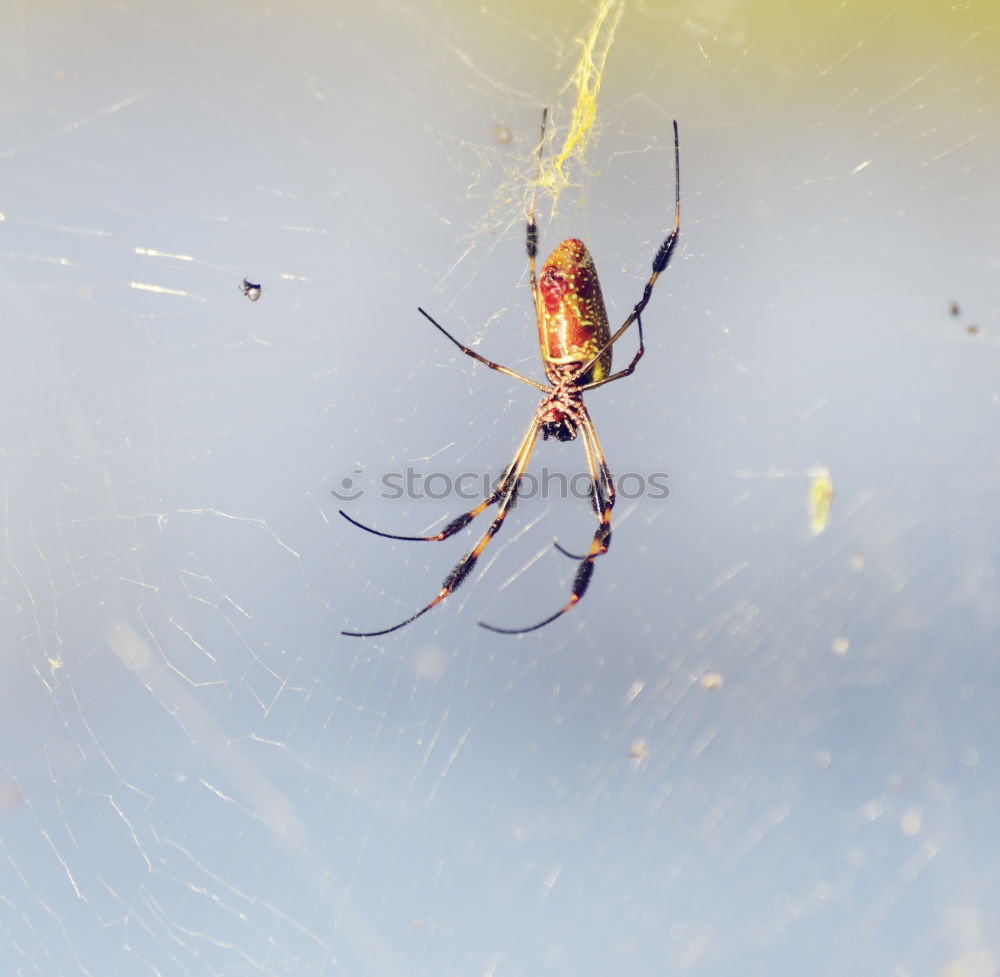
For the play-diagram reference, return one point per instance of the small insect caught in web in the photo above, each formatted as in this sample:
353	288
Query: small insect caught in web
575	343
250	290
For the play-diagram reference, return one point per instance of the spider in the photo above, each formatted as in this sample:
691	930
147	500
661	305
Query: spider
575	344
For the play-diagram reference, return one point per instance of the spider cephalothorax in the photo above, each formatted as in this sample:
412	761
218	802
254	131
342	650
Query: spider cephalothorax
561	412
575	343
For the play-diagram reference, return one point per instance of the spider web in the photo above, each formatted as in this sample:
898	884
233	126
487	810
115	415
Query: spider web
763	743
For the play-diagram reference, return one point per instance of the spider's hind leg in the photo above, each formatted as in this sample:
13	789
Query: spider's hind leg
505	493
603	502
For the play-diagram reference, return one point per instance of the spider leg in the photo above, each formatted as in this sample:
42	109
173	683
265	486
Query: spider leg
510	482
660	262
565	552
628	369
482	359
602	536
453	527
460	522
602	485
531	241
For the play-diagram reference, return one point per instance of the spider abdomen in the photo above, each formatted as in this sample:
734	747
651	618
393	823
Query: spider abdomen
572	321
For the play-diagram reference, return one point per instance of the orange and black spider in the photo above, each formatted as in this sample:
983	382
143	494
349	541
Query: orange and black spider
575	343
